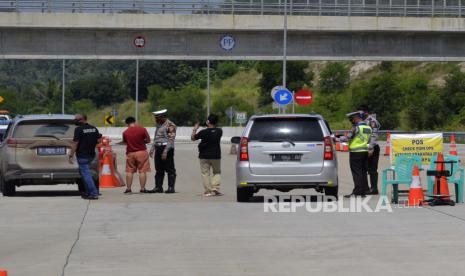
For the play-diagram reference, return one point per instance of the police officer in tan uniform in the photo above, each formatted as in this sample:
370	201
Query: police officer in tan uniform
163	152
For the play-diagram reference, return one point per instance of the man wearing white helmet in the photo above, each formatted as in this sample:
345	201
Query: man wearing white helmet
359	143
373	154
163	152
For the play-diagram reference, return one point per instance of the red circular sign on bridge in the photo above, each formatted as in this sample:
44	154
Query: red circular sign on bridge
304	96
139	42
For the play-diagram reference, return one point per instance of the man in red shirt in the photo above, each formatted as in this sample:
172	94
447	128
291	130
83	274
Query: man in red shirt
137	157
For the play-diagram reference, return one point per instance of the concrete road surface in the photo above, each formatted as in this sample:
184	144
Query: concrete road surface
50	230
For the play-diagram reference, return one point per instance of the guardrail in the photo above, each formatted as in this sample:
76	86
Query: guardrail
459	135
402	8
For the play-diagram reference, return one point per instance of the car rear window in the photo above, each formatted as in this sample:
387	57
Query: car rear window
286	129
45	129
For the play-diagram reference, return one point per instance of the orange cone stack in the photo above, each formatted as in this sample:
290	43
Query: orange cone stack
443	190
415	196
453	146
338	144
387	152
3	273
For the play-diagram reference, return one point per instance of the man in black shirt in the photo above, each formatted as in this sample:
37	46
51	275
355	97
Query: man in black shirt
85	139
210	155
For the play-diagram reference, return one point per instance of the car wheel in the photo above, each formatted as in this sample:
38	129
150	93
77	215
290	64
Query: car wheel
244	194
331	191
8	187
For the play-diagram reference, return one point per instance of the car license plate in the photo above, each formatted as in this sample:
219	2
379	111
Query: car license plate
51	151
286	157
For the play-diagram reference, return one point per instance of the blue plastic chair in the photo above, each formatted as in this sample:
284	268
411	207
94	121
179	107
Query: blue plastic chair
456	178
401	174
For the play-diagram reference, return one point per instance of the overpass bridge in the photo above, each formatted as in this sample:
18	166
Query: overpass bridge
428	30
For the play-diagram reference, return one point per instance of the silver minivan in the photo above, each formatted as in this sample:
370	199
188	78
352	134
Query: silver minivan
285	152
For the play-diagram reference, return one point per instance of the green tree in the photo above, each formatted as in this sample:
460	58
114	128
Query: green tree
82	106
226	69
166	74
334	78
186	105
227	98
12	102
381	94
415	90
454	91
155	95
101	90
272	75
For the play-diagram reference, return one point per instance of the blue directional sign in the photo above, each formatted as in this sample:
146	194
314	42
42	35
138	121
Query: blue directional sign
283	97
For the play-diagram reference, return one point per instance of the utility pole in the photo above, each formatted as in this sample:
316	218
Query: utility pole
63	88
284	49
208	88
137	91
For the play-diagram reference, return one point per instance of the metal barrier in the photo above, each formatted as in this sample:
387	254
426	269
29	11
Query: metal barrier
459	135
400	8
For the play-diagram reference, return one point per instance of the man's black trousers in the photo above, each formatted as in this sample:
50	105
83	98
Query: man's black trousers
358	166
162	166
373	168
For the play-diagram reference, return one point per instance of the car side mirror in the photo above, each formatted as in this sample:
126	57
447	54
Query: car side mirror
236	140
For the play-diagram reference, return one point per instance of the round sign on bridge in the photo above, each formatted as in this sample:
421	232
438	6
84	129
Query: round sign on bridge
304	96
227	42
139	42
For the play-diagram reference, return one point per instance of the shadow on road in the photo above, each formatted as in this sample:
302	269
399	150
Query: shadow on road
47	193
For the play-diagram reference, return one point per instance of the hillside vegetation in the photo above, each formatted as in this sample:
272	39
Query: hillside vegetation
404	95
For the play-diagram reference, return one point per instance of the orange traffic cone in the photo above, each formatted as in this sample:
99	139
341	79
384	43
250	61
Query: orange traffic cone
3	273
338	144
453	146
444	187
415	196
107	174
345	147
387	152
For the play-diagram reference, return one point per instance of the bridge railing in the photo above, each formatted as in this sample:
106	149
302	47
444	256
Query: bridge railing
403	8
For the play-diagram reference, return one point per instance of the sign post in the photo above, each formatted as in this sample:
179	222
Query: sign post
230	112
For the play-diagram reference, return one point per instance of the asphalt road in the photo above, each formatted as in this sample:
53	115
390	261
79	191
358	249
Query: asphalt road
46	230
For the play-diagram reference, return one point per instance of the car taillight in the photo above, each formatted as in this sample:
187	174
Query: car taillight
243	149
11	142
328	149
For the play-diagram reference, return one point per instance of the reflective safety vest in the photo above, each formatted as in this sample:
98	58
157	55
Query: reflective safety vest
360	141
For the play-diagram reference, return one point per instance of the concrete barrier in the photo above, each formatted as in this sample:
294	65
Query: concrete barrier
183	134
